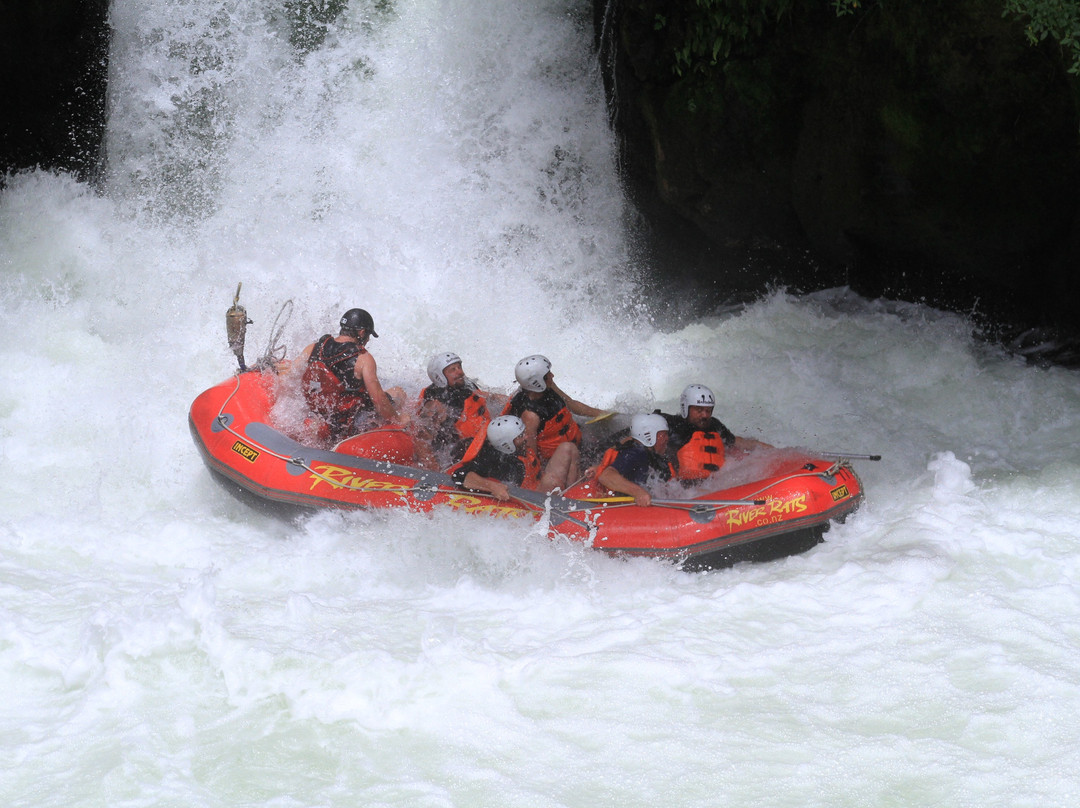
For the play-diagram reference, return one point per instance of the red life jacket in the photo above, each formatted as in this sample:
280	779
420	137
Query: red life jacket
701	456
330	387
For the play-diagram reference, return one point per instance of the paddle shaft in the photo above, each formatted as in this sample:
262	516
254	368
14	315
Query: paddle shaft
684	503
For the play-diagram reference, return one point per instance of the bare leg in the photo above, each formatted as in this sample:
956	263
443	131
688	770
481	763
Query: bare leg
562	469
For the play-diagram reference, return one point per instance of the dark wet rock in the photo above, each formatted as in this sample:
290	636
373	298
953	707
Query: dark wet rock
53	74
920	151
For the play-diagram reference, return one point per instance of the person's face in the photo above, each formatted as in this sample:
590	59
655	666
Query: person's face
661	442
698	416
519	443
455	376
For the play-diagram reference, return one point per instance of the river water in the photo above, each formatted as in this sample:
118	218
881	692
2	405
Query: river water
448	166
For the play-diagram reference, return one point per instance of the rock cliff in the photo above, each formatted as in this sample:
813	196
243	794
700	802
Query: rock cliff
922	151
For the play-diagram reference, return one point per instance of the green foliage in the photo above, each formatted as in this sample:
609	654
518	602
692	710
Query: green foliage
1057	20
707	44
844	7
705	33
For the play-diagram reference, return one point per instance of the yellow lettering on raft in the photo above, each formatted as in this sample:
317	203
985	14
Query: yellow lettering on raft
772	511
477	505
338	477
245	451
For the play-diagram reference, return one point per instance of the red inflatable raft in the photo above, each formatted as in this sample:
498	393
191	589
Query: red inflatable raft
784	509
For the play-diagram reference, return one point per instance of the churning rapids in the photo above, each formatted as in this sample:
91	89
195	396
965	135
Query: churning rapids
448	166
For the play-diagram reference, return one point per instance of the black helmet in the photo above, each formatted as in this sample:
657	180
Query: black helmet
355	319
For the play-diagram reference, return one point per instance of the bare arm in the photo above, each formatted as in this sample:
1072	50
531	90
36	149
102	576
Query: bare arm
429	417
575	406
487	485
616	482
532	428
430	413
295	367
364	369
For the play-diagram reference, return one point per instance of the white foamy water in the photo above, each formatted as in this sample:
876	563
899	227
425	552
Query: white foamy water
448	167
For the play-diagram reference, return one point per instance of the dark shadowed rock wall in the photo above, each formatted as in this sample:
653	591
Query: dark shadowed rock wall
921	151
53	72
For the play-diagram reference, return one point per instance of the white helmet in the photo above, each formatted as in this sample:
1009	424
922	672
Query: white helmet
696	395
530	373
645	428
437	364
503	431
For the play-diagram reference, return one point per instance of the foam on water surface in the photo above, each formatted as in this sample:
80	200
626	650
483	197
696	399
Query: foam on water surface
449	168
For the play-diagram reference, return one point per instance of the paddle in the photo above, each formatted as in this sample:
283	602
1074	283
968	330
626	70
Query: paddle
560	511
601	417
846	456
707	504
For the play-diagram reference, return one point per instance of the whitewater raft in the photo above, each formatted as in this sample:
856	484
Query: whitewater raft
784	511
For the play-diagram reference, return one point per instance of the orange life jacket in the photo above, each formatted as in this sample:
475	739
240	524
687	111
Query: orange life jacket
473	415
607	460
529	460
657	463
557	424
560	429
532	470
474	449
701	456
595	488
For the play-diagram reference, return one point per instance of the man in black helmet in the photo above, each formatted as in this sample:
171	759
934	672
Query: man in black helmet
340	382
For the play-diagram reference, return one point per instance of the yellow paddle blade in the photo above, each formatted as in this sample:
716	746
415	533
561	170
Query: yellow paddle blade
601	417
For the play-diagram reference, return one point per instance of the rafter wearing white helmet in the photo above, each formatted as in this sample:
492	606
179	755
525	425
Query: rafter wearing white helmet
503	431
531	371
438	364
696	395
